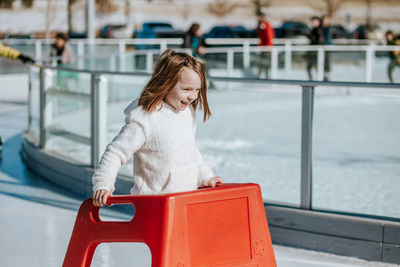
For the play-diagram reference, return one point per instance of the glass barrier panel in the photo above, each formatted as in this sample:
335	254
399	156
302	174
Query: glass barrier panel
122	90
216	64
356	151
254	136
68	114
340	64
34	105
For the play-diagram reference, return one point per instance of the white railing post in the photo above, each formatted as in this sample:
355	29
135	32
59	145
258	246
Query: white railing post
229	66
246	55
320	63
99	93
369	58
38	50
163	46
274	63
229	63
81	54
113	62
122	55
288	56
149	62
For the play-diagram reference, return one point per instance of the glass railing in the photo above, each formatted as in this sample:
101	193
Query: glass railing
340	154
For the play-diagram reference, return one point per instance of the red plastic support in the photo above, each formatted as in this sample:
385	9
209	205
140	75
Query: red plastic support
224	226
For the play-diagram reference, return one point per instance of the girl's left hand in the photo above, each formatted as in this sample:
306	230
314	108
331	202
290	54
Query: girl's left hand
214	181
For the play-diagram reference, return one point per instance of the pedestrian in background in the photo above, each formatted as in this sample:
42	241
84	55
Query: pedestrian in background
394	55
194	41
266	35
316	38
327	37
62	50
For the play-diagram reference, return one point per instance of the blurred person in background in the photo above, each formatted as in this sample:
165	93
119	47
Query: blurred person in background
8	52
194	41
394	55
316	38
62	50
327	40
266	35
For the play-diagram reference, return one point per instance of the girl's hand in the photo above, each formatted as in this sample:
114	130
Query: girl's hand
100	197
214	181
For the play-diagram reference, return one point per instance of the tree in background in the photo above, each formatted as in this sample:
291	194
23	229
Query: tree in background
105	6
69	15
369	13
6	3
221	8
259	5
327	7
50	15
27	3
9	3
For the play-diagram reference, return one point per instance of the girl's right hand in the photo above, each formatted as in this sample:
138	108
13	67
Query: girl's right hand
100	197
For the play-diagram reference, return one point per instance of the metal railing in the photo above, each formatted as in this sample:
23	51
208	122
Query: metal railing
98	112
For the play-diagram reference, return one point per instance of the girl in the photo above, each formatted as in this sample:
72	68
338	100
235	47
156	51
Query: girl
159	130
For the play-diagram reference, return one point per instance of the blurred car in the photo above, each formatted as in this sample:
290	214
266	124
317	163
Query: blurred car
230	31
158	30
368	32
339	32
292	29
115	31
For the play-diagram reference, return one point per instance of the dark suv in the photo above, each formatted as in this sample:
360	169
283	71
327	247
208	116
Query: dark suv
292	29
158	30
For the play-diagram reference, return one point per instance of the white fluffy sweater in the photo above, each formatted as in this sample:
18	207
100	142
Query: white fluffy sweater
166	158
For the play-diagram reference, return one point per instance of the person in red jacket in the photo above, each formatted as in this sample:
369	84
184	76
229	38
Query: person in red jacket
265	32
266	35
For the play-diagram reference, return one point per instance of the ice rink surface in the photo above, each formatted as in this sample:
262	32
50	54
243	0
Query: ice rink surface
37	217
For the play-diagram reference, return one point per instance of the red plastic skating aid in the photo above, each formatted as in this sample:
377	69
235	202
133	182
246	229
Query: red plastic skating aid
221	226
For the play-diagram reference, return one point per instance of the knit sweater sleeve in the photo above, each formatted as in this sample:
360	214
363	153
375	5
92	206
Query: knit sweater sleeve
205	173
130	139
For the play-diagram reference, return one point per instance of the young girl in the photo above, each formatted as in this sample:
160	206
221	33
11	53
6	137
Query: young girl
160	131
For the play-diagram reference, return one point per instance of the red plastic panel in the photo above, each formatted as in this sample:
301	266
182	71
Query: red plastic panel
218	232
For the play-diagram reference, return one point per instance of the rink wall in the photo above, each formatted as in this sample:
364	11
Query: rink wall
365	238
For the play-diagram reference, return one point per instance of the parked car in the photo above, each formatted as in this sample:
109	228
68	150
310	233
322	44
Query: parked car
338	31
370	32
158	30
230	31
292	29
115	31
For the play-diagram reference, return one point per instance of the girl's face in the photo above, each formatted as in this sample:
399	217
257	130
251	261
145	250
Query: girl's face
185	91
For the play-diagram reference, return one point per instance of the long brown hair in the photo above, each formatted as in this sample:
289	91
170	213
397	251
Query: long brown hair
167	72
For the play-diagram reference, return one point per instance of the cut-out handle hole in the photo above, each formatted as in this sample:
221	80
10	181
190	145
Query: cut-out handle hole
117	213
